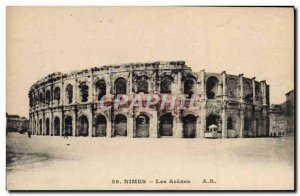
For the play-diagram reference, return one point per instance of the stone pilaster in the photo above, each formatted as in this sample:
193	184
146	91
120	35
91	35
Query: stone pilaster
63	93
241	95
220	92
253	89
264	93
108	127
179	83
90	118
93	126
44	124
198	127
203	119
51	130
130	82
242	119
75	94
74	124
130	126
153	125
61	128
224	120
177	127
202	81
91	87
149	90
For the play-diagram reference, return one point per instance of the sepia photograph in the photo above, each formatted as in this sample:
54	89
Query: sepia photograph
150	98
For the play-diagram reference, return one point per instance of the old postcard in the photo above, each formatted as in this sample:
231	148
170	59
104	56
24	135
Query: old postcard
150	98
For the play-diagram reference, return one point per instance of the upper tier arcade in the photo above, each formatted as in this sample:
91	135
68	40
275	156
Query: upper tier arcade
172	77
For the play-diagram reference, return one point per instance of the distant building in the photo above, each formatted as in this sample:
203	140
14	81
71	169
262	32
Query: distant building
290	113
282	117
15	123
278	120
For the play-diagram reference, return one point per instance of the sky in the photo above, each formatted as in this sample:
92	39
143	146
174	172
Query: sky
258	42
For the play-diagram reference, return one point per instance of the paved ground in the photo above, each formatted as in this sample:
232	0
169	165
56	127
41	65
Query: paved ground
44	162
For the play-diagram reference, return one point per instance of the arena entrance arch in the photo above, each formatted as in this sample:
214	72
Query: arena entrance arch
212	119
189	126
56	126
142	125
83	126
68	125
232	127
120	125
100	126
41	126
166	125
247	123
47	126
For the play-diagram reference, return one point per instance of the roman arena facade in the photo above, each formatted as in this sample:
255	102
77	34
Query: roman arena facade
73	104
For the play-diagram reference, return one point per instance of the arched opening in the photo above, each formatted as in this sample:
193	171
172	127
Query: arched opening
257	92
120	86
41	98
142	126
188	87
48	97
166	84
69	94
231	127
142	84
213	119
100	126
57	94
56	126
248	94
189	126
100	89
47	126
84	91
229	123
83	126
166	125
68	126
232	88
246	126
120	125
41	126
212	87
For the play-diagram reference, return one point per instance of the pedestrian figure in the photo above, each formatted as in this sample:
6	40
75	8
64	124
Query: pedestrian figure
66	134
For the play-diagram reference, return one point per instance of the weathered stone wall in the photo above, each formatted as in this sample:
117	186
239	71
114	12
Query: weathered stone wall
237	105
